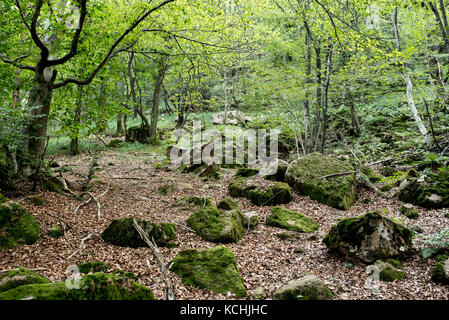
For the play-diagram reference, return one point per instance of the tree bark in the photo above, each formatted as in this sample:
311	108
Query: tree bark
157	97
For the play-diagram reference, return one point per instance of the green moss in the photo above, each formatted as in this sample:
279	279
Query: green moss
19	277
390	274
246	172
38	201
366	201
96	286
367	171
306	175
215	225
17	226
291	220
51	186
121	232
354	230
213	269
239	186
227	204
395	263
411	213
97	266
166	189
280	193
116	143
420	193
438	272
386	187
56	232
286	236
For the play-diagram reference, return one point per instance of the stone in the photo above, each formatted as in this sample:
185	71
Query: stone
121	232
388	272
137	134
308	287
232	117
227	204
440	271
409	212
214	269
428	191
259	294
94	286
215	225
291	220
306	175
276	193
369	238
19	277
17	226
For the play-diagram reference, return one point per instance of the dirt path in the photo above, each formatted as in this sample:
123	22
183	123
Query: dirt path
263	259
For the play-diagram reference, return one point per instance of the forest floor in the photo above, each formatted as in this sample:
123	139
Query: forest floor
262	258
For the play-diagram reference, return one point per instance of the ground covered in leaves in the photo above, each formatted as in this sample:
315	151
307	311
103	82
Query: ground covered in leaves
128	187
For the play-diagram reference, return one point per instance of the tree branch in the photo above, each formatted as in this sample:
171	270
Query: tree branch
16	64
112	51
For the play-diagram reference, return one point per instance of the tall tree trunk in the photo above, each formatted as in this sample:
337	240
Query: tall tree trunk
325	96
157	97
307	124
318	97
36	131
119	130
409	86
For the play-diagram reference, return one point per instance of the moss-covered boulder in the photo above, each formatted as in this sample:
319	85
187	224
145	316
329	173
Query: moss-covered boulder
389	271
121	232
409	212
137	134
116	143
291	220
190	203
308	287
17	226
227	204
19	277
215	225
428	191
440	271
273	194
307	176
369	238
94	286
246	172
213	269
92	267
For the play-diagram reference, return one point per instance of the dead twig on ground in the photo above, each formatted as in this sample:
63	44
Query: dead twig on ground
160	260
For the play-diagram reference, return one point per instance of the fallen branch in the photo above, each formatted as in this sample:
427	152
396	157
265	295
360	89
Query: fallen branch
379	162
82	246
338	174
160	260
370	185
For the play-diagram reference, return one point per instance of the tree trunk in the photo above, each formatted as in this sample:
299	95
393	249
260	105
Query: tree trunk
325	96
409	86
157	97
39	107
119	130
307	124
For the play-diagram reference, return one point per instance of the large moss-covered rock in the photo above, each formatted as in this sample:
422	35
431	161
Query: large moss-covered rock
213	269
291	220
19	277
89	267
308	287
369	237
440	271
388	272
215	225
273	194
17	226
95	286
428	191
306	175
138	134
121	232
